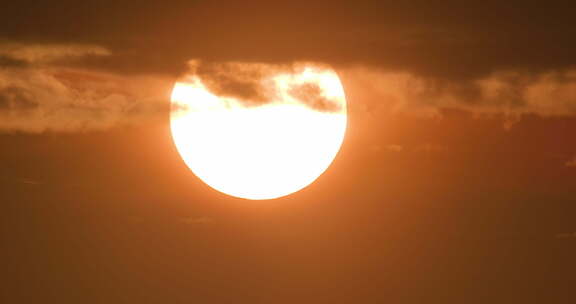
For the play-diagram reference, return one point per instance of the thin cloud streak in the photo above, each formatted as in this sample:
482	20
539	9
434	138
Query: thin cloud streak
49	53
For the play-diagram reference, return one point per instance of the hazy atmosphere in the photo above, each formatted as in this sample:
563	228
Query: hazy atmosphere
454	181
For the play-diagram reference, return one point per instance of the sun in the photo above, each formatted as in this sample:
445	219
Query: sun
260	149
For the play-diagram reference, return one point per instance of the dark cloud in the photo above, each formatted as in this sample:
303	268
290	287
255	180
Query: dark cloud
242	81
448	39
489	56
255	84
6	61
311	94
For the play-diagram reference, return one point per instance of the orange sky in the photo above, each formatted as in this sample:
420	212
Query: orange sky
455	182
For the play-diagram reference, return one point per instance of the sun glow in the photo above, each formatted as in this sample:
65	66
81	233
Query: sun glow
261	151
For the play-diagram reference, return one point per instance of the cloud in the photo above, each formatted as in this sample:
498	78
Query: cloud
508	92
70	100
22	180
311	94
489	57
566	235
47	94
571	163
11	62
48	53
510	120
60	98
41	90
235	79
450	40
255	84
29	181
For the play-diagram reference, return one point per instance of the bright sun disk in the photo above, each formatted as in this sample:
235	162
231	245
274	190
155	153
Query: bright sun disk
259	151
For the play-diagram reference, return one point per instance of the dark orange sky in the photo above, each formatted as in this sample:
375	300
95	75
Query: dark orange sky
455	183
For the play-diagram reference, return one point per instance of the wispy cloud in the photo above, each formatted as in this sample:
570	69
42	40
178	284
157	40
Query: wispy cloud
512	93
72	100
30	181
566	235
41	91
571	163
49	53
21	180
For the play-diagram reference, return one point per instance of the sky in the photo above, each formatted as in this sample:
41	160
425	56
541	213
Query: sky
455	182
